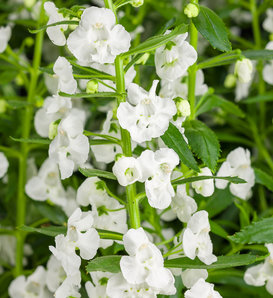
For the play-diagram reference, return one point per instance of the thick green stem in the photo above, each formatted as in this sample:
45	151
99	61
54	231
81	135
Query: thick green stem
126	147
26	127
192	71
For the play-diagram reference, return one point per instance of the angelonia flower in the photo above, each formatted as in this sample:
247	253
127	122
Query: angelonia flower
145	115
261	274
97	288
98	38
55	33
173	59
191	276
145	265
238	163
243	70
4	164
196	240
70	147
268	68
202	289
5	34
268	22
204	187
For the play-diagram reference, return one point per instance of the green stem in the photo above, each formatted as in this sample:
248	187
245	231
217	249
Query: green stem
192	71
26	127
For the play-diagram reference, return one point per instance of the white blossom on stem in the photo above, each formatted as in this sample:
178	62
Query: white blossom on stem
5	34
268	68
202	289
204	187
4	164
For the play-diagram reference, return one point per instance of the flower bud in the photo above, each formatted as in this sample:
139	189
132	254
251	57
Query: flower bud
230	81
53	129
29	41
271	37
142	60
183	107
191	10
243	70
137	3
92	86
19	80
3	106
29	3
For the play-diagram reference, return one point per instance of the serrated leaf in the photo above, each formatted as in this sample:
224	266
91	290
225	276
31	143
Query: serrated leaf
203	142
263	178
156	41
174	140
54	24
258	232
211	26
258	54
32	141
49	231
105	264
222	262
97	173
90	95
214	101
235	180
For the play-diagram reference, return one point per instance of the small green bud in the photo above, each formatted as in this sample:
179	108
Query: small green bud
118	156
230	81
3	106
19	80
137	3
191	10
53	129
92	87
29	41
271	37
143	59
183	107
79	13
29	3
39	101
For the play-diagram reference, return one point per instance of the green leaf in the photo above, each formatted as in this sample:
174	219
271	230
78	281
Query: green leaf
214	101
104	234
18	104
95	142
211	26
229	137
49	231
203	142
258	98
156	41
258	54
174	140
257	232
105	264
235	180
53	213
97	173
218	230
222	262
263	178
7	76
90	95
54	24
32	141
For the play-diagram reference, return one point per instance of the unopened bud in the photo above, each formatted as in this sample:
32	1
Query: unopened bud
53	129
230	81
183	107
191	10
19	80
92	86
243	70
3	106
29	41
142	60
29	3
137	3
271	37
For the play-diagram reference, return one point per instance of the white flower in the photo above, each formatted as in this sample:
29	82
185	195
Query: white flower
87	242
173	59
47	184
156	172
63	70
196	240
71	204
70	286
65	253
244	69
98	38
191	276
268	68
55	33
127	170
262	274
268	22
238	163
146	115
55	274
4	164
70	147
145	263
204	187
202	289
5	34
118	287
182	204
32	286
98	286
